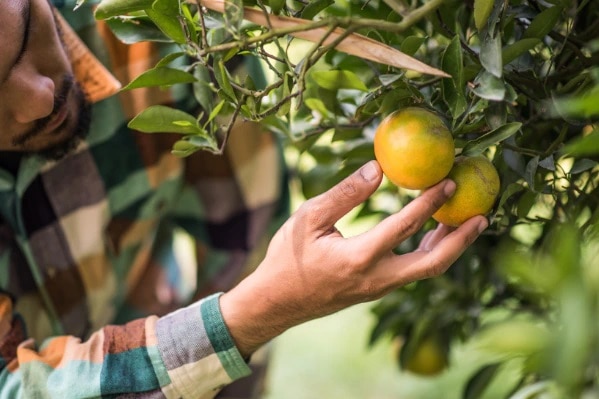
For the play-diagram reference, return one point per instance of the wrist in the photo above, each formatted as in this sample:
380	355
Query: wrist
249	313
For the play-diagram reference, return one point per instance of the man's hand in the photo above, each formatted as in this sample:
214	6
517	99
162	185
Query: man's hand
311	270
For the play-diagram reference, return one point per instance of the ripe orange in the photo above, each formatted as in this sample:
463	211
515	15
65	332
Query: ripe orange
477	184
414	148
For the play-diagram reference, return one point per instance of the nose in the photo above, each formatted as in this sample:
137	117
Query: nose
35	99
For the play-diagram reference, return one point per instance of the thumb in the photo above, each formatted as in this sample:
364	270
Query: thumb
346	195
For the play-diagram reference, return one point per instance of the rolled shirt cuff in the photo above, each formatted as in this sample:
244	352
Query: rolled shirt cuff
198	351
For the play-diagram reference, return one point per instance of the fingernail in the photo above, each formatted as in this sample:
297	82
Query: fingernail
449	188
369	171
482	225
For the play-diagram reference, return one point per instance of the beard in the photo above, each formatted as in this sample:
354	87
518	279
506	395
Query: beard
79	131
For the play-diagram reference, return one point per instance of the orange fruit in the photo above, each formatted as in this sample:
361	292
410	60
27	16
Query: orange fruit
414	148
477	188
428	358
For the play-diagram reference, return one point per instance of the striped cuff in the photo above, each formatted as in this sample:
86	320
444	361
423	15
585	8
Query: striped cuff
197	349
221	339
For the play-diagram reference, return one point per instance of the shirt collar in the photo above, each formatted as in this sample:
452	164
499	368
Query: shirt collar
97	82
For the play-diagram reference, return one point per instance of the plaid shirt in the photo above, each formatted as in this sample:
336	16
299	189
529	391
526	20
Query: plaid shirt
89	280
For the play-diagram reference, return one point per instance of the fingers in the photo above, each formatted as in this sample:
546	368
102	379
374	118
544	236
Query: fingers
326	209
396	228
432	237
449	249
439	257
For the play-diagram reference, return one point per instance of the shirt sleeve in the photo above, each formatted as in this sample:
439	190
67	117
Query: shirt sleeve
185	354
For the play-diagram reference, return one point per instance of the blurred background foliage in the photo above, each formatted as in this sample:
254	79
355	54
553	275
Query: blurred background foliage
523	91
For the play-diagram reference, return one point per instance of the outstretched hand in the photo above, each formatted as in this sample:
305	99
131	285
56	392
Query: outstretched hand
311	270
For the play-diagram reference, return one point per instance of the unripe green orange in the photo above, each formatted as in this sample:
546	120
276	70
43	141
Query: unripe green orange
427	359
414	148
477	188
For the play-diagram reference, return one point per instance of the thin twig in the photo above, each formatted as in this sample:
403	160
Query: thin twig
415	16
230	126
202	24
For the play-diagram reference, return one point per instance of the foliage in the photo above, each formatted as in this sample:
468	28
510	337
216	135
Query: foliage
521	87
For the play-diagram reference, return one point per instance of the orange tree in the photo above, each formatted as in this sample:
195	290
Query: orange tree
516	81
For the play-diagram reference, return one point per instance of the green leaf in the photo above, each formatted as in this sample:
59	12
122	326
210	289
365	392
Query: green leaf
533	391
515	50
586	105
191	21
112	8
224	80
319	178
526	201
510	190
276	6
203	142
514	337
233	15
7	181
483	142
314	7
167	7
453	88
183	123
479	382
216	110
411	44
170	58
184	148
482	10
361	152
165	14
489	87
163	119
284	92
317	105
582	165
531	172
543	23
548	163
387	79
338	79
276	125
490	54
202	88
587	145
570	359
135	30
496	114
563	245
160	76
216	36
346	134
493	21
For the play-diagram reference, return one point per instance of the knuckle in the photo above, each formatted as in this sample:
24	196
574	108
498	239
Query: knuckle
347	188
312	211
407	226
435	268
471	237
433	201
361	259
